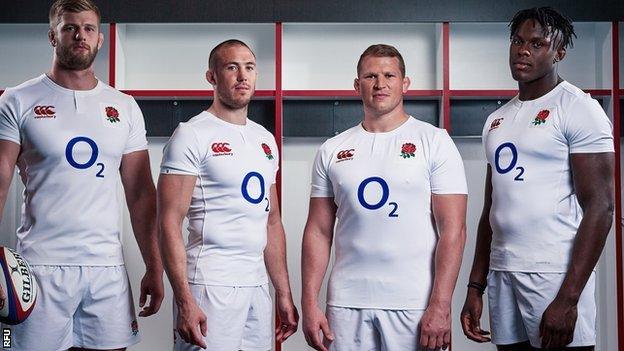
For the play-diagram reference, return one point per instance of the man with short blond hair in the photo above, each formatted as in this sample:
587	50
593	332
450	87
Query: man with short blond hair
73	138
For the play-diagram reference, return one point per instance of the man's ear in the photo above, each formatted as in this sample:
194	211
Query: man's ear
51	37
211	77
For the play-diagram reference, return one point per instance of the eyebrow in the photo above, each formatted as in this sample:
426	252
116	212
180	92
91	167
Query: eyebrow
240	63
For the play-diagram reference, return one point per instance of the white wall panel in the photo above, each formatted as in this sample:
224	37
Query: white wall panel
325	56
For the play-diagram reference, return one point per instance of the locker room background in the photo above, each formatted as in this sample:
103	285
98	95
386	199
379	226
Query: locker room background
316	100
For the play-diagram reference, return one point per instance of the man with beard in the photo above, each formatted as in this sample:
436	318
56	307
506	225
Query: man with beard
396	187
219	170
548	203
72	138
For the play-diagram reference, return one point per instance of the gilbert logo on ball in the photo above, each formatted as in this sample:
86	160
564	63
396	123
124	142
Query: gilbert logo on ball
19	285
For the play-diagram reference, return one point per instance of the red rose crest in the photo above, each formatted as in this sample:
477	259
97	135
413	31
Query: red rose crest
407	150
267	151
541	117
112	115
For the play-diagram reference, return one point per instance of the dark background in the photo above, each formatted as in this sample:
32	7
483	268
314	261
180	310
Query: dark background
132	11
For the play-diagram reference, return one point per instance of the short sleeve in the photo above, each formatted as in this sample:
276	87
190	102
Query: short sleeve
587	128
447	169
321	184
181	154
137	139
276	157
9	117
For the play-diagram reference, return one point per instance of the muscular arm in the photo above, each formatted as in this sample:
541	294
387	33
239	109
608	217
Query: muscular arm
174	198
450	216
140	193
9	151
594	186
275	261
473	307
316	249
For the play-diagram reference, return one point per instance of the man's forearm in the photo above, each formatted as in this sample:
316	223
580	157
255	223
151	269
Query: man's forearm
143	219
481	262
448	259
314	260
588	245
174	259
275	258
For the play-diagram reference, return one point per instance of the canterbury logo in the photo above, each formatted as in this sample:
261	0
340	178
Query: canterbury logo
345	155
221	147
44	111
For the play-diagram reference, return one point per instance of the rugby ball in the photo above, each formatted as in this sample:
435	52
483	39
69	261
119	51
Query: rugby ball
19	285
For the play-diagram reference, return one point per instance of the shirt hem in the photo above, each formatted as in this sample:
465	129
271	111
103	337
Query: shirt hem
374	306
65	264
209	283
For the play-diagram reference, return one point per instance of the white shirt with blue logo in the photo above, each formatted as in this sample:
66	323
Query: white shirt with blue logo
235	166
385	237
535	213
72	142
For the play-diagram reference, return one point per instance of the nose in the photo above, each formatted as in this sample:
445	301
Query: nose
80	34
523	50
380	82
242	75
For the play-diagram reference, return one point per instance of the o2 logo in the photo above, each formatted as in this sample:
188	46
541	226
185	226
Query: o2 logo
69	155
385	194
504	169
245	190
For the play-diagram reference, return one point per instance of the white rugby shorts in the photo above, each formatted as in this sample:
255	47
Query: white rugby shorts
517	301
238	318
79	306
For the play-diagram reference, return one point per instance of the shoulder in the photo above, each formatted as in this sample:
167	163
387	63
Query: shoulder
423	130
333	143
116	95
501	111
28	88
260	129
188	130
572	95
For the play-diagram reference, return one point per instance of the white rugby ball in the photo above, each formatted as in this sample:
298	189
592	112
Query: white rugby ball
19	285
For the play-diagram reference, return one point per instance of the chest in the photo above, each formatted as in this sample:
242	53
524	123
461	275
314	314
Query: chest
374	168
236	160
79	132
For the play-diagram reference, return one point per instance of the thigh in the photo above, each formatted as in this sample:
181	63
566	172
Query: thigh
505	317
353	329
399	330
521	346
257	334
226	309
535	291
50	325
106	320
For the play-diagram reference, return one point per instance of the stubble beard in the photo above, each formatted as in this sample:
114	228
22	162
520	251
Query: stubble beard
75	62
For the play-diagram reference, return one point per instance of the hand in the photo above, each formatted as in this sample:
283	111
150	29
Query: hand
152	285
314	321
192	323
435	327
288	318
557	325
471	317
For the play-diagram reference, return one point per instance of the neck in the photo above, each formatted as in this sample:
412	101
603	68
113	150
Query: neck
538	88
386	122
72	79
234	116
